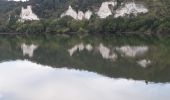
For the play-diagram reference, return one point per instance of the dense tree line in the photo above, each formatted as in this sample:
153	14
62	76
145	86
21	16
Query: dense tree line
157	21
110	25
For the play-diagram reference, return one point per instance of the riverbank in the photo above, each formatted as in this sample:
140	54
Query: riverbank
116	39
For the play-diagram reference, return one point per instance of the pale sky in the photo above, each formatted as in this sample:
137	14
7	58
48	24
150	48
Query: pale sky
25	80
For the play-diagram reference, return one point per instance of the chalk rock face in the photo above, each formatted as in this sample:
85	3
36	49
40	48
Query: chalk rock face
130	8
132	51
70	12
80	15
27	14
104	10
88	14
28	49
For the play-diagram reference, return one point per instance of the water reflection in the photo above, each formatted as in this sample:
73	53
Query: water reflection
80	47
24	80
28	49
112	53
143	61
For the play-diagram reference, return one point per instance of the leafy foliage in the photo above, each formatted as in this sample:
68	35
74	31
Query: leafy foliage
157	21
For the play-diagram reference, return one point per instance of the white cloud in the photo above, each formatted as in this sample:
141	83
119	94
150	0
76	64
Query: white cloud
24	80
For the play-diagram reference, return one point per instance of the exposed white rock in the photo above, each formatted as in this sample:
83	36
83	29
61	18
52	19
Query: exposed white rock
144	63
130	8
70	12
28	49
132	51
104	10
88	14
106	53
27	14
80	15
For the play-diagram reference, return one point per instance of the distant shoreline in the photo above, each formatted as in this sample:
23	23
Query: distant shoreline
131	34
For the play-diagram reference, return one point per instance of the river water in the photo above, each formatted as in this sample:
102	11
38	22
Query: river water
81	69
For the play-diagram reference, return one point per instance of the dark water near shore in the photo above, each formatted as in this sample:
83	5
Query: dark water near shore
90	68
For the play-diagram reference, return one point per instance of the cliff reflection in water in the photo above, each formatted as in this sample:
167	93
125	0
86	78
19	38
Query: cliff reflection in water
116	59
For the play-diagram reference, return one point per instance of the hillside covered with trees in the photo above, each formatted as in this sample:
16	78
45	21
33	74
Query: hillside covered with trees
155	21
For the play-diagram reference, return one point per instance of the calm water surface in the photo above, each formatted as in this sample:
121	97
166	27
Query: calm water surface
84	69
25	80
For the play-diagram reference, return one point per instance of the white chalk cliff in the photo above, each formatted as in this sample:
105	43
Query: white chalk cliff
70	12
104	10
80	15
88	14
27	14
130	8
